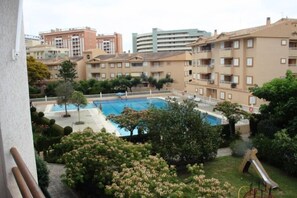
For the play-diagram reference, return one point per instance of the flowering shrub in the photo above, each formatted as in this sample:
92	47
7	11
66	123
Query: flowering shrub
152	177
92	157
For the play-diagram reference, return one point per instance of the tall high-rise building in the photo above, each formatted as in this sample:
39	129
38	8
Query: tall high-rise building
165	41
111	44
76	40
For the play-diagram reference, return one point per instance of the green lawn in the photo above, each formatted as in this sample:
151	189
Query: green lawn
227	169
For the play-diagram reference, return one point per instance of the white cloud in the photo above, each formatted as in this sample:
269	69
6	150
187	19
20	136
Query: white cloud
128	16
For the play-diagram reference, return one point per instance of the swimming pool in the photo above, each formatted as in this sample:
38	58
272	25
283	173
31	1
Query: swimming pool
117	106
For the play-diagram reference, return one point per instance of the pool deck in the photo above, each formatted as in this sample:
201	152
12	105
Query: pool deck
96	120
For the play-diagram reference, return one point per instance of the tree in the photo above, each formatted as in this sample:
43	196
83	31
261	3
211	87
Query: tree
180	134
129	119
79	100
64	91
281	95
233	113
67	71
36	71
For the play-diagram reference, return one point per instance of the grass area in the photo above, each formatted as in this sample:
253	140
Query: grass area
227	169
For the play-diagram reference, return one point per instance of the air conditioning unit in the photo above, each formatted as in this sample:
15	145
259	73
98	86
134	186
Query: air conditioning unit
211	81
233	85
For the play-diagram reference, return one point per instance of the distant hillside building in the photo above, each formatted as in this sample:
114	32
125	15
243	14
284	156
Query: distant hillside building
154	64
47	52
111	44
32	40
76	40
226	65
169	40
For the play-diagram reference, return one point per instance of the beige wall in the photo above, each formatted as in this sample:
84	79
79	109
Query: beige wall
266	54
159	68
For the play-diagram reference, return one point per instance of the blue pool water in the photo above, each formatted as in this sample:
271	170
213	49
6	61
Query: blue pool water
117	106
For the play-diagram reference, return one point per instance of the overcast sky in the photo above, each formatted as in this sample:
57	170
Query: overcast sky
128	16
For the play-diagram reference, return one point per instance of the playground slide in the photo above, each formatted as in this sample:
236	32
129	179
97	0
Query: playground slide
263	174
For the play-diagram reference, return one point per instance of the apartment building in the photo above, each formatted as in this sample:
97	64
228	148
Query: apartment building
155	64
226	65
111	44
165	41
32	40
76	40
47	52
54	64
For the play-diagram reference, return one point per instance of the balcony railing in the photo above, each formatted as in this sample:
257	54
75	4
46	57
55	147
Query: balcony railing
23	177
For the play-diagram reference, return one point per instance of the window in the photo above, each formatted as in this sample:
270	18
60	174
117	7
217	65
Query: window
127	64
252	100
144	63
112	75
196	89
236	44
102	65
229	96
201	91
249	80
198	62
119	74
119	64
284	42
235	79
222	95
127	74
283	61
198	76
249	61
250	43
103	75
222	61
112	65
236	62
194	75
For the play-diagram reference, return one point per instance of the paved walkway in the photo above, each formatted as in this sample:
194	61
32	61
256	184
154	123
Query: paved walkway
56	187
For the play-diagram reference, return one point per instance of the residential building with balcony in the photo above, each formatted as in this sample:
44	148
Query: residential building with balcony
226	65
54	64
155	64
111	44
76	40
166	41
47	52
32	40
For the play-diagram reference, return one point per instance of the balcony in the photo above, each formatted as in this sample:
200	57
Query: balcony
157	69
204	54
226	52
205	68
293	51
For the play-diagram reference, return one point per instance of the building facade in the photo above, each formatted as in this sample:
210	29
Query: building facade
155	64
111	44
32	40
226	65
161	41
54	64
76	40
47	52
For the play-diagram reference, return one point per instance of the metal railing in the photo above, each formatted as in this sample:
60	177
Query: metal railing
25	181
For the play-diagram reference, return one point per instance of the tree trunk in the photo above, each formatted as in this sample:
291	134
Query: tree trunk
232	128
66	108
78	114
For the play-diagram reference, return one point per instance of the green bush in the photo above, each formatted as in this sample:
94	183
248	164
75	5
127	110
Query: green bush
254	120
40	114
239	147
43	175
33	109
267	127
52	122
34	90
67	130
